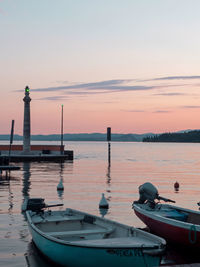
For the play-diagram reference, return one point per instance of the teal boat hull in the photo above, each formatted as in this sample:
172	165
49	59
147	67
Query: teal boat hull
75	256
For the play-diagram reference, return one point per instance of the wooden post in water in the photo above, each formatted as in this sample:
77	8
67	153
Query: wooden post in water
61	148
11	140
108	140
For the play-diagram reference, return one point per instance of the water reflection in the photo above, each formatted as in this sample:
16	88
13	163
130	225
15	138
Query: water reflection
108	175
61	192
10	198
6	181
26	186
103	212
26	180
109	153
34	258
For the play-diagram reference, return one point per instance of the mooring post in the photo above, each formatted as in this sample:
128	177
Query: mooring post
109	147
11	140
61	137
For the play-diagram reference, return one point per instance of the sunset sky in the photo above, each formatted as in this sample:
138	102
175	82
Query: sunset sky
133	65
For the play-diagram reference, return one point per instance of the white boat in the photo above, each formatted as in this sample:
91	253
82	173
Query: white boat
78	239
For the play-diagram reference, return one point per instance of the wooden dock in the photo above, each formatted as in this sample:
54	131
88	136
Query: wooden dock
8	169
24	158
68	155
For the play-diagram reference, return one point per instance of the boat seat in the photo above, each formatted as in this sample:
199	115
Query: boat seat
82	232
57	219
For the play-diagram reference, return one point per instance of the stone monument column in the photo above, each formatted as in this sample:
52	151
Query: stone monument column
27	123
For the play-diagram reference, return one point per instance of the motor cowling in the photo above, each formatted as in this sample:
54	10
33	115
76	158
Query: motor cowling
35	204
148	192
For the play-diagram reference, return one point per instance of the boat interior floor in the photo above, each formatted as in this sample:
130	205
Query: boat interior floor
84	232
116	242
176	214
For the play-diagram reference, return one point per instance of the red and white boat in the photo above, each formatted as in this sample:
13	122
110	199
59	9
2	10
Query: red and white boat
175	224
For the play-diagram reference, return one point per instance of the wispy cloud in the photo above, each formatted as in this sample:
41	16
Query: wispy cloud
53	98
111	86
190	107
139	110
170	94
177	78
84	93
117	85
161	111
132	110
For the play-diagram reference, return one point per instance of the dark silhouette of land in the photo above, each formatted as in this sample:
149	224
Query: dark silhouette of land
187	136
82	137
179	137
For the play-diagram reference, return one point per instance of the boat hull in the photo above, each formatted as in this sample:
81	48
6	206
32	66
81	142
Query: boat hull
181	233
74	256
77	239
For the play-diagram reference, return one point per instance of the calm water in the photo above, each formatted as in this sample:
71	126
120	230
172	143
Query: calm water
86	178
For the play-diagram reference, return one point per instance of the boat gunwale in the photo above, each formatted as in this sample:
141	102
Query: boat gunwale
166	220
159	243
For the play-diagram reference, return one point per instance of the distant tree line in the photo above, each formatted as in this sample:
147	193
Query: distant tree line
185	137
81	137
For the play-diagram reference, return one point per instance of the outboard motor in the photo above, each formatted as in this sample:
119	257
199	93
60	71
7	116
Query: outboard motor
36	204
149	193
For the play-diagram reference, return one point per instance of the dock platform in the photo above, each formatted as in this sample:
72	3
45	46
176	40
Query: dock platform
39	157
9	168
